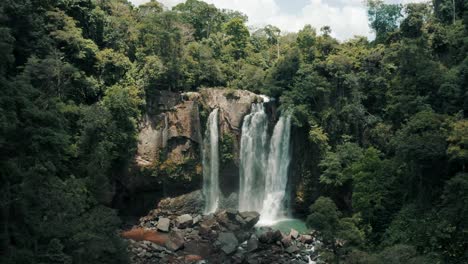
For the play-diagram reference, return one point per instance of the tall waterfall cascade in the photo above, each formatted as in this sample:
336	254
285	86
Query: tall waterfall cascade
210	154
277	172
253	158
264	165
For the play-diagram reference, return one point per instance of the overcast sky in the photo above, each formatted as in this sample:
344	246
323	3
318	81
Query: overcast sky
347	18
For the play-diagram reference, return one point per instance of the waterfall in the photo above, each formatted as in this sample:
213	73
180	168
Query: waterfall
253	159
211	163
264	168
277	172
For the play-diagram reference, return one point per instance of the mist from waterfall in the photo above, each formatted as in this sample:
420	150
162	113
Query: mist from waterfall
253	158
210	154
277	172
264	167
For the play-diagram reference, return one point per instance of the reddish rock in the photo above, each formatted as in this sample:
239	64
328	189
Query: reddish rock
141	234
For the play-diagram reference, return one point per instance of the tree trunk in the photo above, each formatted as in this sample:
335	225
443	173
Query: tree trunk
454	12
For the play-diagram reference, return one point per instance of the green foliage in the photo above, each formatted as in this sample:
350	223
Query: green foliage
336	165
383	18
458	143
226	149
381	124
238	37
327	220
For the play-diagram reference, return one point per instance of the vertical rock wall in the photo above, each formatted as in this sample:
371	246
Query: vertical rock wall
168	157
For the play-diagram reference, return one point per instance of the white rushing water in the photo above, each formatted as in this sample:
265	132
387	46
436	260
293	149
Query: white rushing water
277	172
253	159
211	163
263	167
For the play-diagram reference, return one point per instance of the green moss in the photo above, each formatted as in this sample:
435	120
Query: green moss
227	148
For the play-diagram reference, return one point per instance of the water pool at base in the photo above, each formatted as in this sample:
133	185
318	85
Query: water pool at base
285	225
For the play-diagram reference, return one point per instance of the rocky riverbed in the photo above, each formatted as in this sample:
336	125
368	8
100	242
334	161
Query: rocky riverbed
177	232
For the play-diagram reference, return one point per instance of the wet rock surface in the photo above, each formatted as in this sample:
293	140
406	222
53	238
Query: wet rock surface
168	235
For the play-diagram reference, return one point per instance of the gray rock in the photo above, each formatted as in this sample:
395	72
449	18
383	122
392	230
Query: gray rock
240	220
286	241
294	233
231	214
199	248
306	239
157	247
175	241
270	236
222	218
252	243
197	219
163	224
250	218
292	249
184	221
207	226
228	242
239	256
191	203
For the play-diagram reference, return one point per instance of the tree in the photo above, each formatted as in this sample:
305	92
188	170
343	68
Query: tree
411	27
204	18
326	219
375	190
421	143
336	165
273	35
306	41
238	37
383	18
458	144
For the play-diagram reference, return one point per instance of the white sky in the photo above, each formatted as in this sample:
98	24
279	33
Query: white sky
346	18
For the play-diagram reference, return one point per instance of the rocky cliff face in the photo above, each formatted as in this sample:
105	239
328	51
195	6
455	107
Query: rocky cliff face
169	140
176	129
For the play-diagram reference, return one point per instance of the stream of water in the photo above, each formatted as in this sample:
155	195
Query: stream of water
277	172
253	158
264	167
211	163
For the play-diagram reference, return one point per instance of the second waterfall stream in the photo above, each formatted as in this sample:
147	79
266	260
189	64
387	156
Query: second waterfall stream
264	167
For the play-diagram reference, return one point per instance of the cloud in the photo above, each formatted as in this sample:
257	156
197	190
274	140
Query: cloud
346	18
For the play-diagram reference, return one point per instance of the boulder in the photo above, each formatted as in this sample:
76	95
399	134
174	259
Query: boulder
231	214
306	239
292	249
208	226
163	224
197	219
197	247
252	243
184	221
191	203
294	233
228	242
222	218
286	241
250	218
270	236
240	220
175	241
